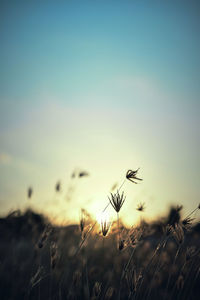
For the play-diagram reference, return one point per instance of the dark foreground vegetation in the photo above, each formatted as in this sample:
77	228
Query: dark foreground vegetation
160	260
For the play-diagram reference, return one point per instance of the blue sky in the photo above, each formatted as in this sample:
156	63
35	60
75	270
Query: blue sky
101	85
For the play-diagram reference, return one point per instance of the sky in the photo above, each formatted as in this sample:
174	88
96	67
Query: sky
99	86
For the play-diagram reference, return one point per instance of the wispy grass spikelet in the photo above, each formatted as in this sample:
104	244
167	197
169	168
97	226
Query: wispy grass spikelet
83	174
109	293
82	221
131	175
30	192
37	276
190	252
96	291
47	231
53	253
180	282
178	233
187	222
121	244
117	200
58	186
141	207
105	226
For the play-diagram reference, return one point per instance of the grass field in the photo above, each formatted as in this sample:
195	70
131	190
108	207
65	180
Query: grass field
158	260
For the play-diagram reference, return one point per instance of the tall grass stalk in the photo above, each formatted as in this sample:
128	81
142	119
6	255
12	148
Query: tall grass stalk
173	265
147	268
188	276
194	282
154	273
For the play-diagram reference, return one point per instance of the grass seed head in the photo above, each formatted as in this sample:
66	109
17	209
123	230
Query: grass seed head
37	276
187	222
134	236
82	224
76	278
131	175
58	186
47	231
180	282
190	253
121	245
167	229
82	221
117	200
109	293
141	207
178	233
105	226
53	254
96	291
30	192
83	174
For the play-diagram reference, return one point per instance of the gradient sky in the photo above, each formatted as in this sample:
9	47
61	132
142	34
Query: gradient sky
102	86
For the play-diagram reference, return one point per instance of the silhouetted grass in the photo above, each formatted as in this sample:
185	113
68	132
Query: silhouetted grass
158	260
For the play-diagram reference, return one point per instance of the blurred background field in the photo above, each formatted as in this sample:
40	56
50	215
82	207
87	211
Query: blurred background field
39	260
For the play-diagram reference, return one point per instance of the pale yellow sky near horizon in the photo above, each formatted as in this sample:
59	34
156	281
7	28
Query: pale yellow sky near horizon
53	139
